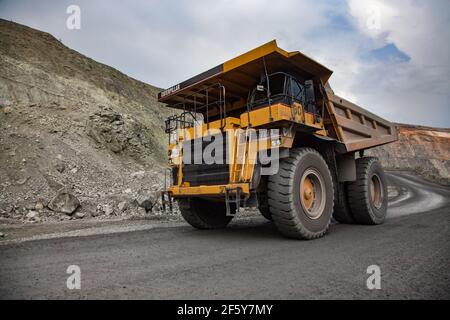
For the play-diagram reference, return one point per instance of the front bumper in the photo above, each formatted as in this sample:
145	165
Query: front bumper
217	190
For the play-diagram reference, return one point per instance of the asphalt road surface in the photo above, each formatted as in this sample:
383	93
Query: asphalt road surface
249	260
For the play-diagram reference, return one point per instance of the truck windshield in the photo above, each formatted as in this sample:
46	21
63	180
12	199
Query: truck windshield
276	88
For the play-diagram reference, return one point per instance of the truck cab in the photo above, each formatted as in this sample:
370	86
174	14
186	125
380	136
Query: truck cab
284	88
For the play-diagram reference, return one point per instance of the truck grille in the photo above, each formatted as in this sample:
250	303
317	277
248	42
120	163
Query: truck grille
199	173
206	175
203	174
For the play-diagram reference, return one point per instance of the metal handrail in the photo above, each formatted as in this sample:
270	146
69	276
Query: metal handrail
221	102
180	122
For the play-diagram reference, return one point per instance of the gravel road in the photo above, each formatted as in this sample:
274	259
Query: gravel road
249	260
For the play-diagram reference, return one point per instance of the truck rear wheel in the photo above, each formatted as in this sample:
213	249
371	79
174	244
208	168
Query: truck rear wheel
342	212
367	196
205	214
301	195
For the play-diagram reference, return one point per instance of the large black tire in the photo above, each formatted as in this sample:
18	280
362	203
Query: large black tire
205	214
305	216
367	196
265	212
342	212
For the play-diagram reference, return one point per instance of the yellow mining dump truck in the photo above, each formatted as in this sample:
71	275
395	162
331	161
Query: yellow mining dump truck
266	130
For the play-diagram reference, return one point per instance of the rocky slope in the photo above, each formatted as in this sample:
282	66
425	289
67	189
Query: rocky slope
79	139
423	150
72	126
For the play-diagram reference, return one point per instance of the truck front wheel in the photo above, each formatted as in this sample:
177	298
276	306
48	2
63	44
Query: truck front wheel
301	195
367	196
205	214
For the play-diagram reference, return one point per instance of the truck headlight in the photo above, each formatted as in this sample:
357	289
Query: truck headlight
275	138
276	142
174	153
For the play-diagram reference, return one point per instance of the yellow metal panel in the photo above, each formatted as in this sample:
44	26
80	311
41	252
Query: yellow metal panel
280	112
251	55
179	191
202	130
310	121
298	59
261	116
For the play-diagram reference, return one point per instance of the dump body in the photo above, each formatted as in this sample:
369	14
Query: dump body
352	125
357	128
222	100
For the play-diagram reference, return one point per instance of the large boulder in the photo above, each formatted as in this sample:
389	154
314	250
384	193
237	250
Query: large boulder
147	200
64	202
121	133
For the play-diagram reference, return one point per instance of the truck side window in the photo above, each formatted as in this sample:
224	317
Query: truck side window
276	84
296	91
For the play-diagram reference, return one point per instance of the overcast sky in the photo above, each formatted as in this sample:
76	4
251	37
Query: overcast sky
392	57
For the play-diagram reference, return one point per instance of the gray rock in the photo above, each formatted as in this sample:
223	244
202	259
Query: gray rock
2	235
98	212
122	206
60	166
30	206
141	211
22	181
39	205
109	210
7	110
156	186
64	202
138	174
105	209
52	182
32	214
79	215
147	200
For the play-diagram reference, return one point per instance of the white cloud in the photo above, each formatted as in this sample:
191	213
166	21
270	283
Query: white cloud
417	91
416	27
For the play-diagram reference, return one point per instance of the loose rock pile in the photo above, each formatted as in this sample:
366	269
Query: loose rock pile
78	139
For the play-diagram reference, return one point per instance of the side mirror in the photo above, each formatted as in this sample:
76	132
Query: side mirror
260	88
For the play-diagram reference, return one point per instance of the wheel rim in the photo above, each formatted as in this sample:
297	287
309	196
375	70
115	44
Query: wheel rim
376	191
312	193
